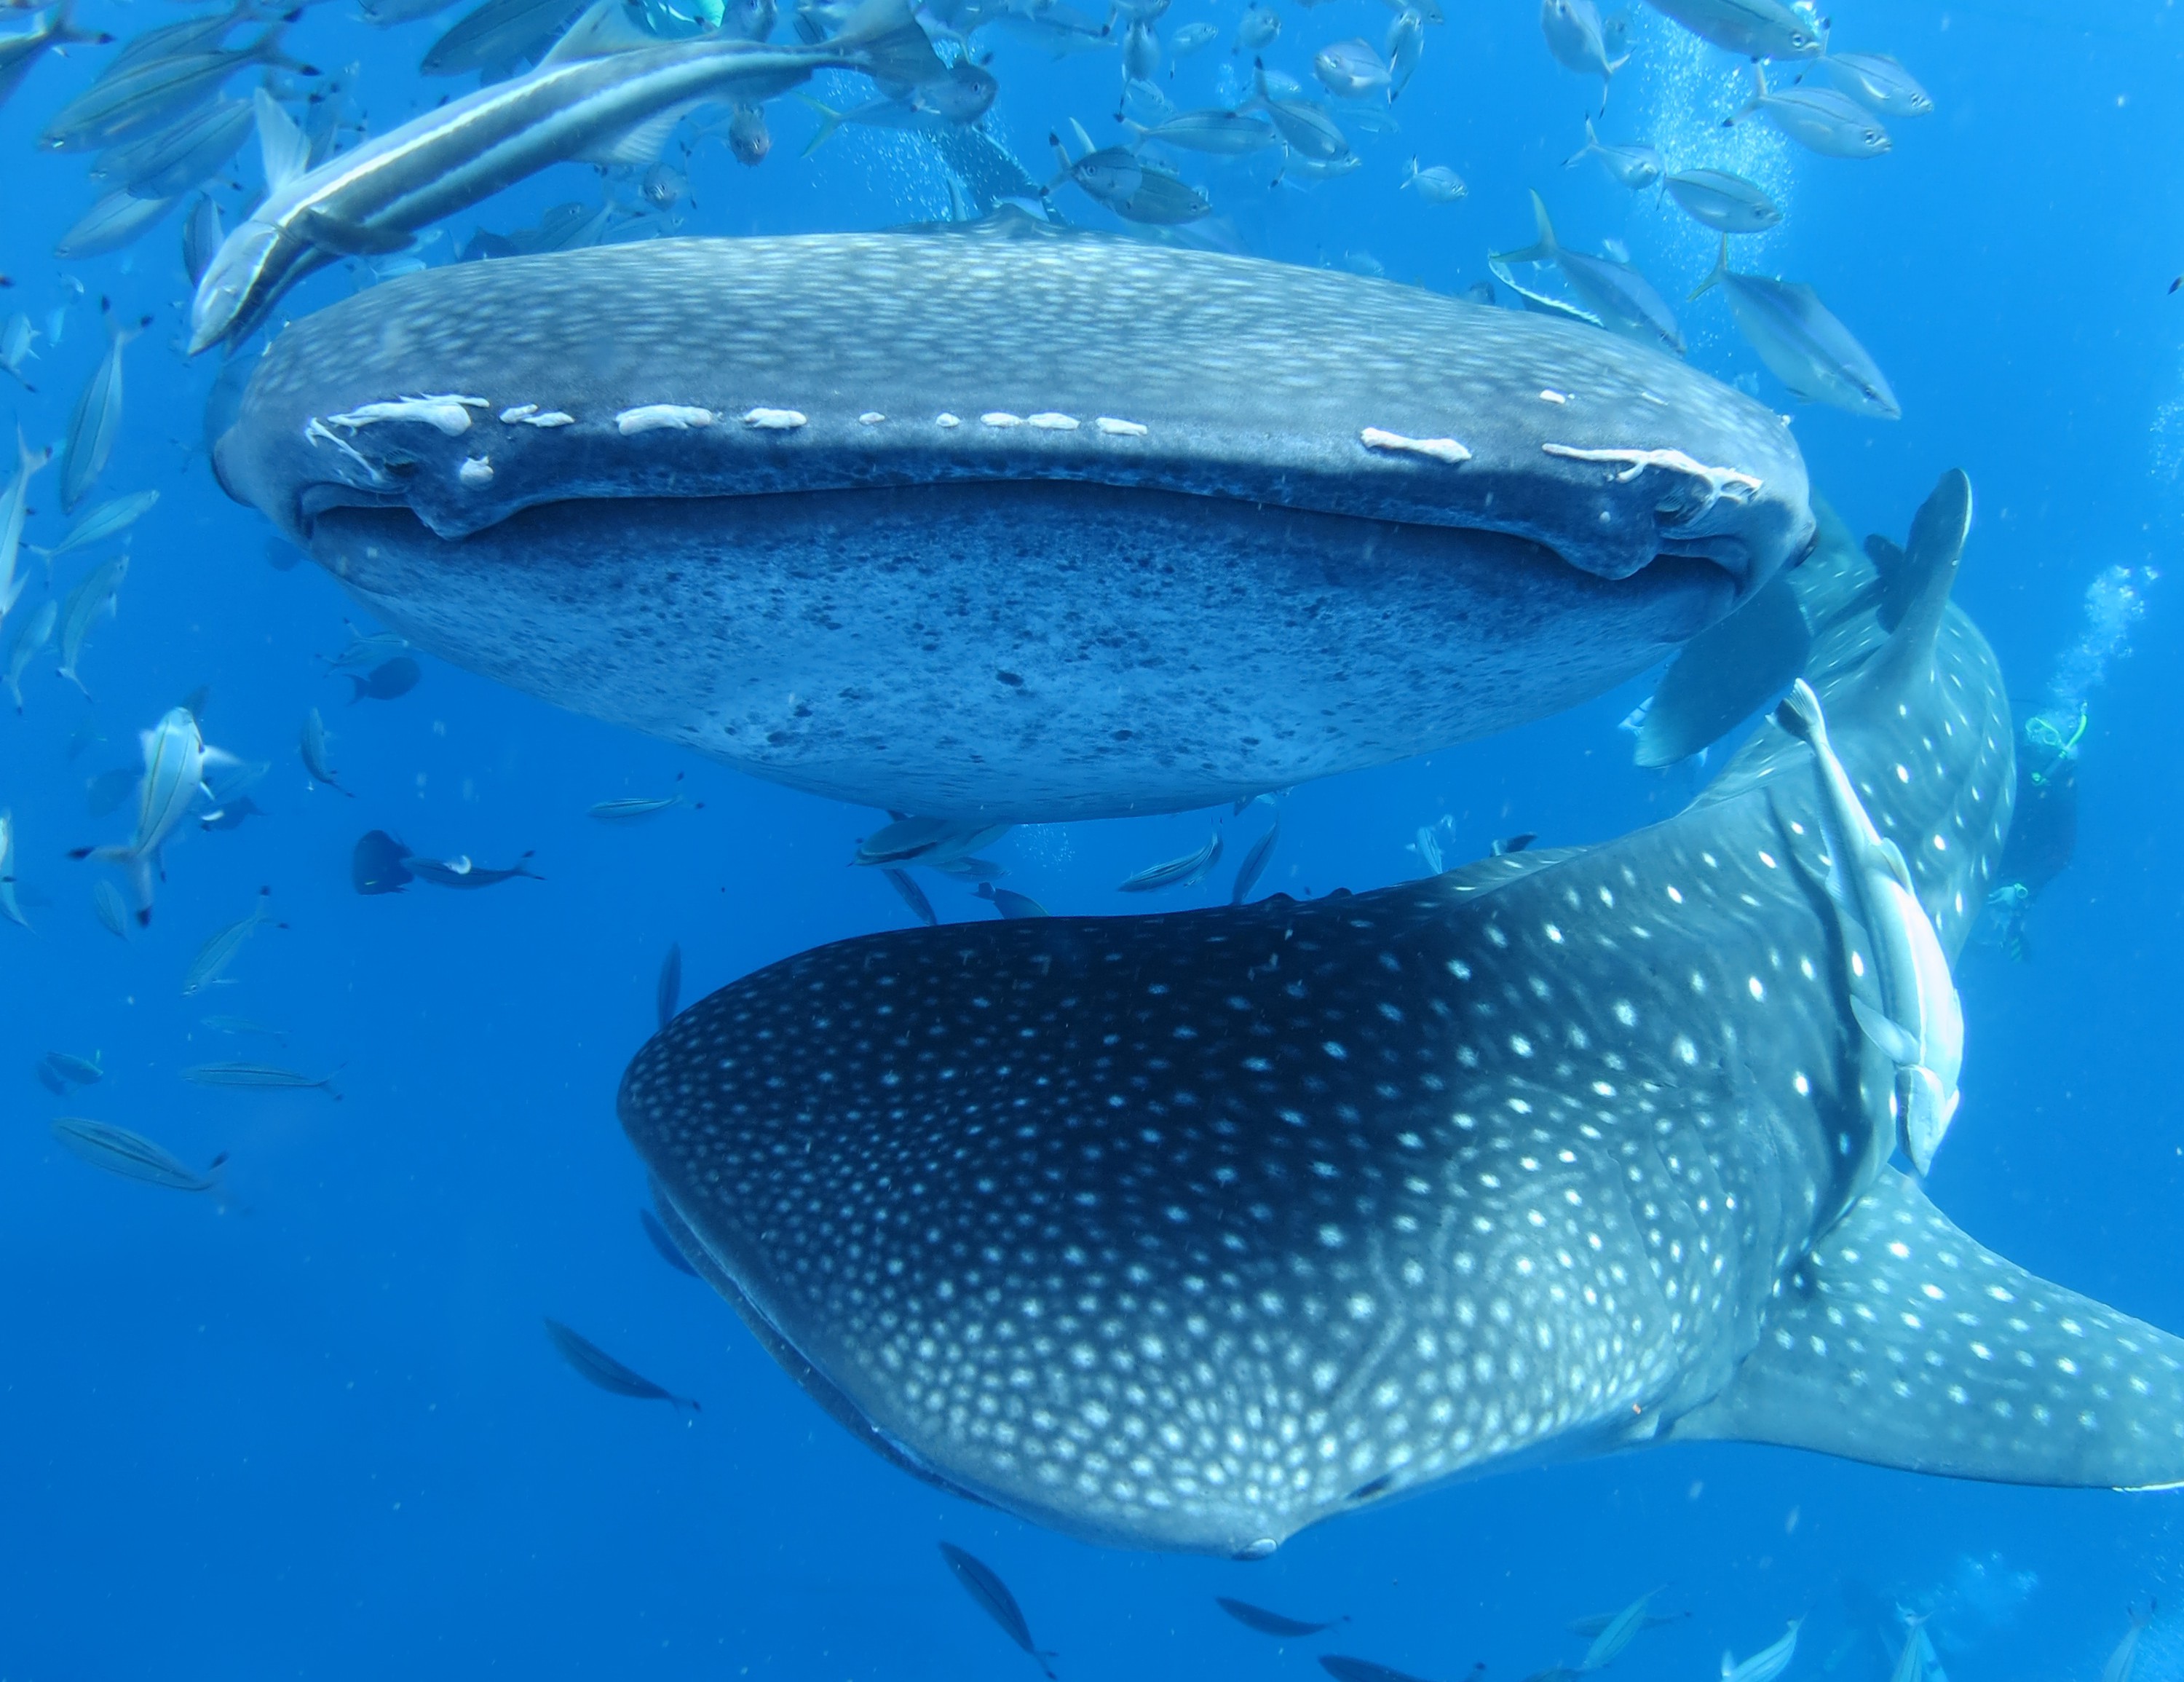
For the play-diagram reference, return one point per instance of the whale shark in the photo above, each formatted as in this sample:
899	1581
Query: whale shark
1185	1232
1009	522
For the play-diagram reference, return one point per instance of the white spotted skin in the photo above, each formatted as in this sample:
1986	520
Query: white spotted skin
1224	395
1185	1232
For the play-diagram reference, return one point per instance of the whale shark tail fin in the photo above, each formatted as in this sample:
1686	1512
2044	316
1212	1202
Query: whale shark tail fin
1902	1342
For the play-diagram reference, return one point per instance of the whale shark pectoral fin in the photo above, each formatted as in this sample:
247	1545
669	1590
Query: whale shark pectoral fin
1726	673
1901	1342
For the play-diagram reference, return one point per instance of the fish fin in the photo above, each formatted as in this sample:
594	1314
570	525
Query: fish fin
1719	272
1890	1038
1544	251
347	238
829	120
1930	558
1725	673
1899	1341
604	28
1895	582
642	144
282	150
1084	139
885	41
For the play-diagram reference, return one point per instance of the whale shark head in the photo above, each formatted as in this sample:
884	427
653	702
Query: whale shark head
1189	1231
1284	522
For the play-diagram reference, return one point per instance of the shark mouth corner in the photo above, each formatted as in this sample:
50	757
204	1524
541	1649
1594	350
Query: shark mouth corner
1187	1232
1046	530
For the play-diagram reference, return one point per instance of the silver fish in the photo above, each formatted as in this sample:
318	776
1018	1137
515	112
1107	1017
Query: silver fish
962	97
604	92
1727	204
1803	344
1191	38
2120	1664
1436	184
1878	82
21	50
104	519
14	507
106	905
133	1157
258	1078
1750	29
143	97
118	220
1255	864
76	1071
1405	47
176	763
496	36
1257	29
926	841
366	649
10	907
1636	167
1618	1633
1187	871
633	808
1578	42
1765	1665
1819	118
983	1584
202	237
97	591
311	745
16	338
1621	296
213	957
97	418
32	633
1351	69
1215	131
912	895
171	160
1306	129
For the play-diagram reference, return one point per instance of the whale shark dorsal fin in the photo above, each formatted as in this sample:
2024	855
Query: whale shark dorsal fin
1901	1342
1929	570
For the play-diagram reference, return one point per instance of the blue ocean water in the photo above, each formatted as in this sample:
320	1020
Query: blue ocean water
315	1429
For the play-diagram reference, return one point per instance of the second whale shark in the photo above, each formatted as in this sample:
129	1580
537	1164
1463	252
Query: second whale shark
1012	524
1186	1232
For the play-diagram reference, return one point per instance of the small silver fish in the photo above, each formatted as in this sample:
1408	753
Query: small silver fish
1618	1634
15	508
1819	118
76	1071
96	592
1405	47
1436	184
203	236
633	808
257	1077
1305	129
96	422
1190	39
176	762
213	957
1349	70
1255	863
912	896
1878	82
1727	203
1577	41
311	746
15	341
106	904
1750	29
2125	1656
1257	30
1215	131
10	908
1636	167
103	520
1187	871
1803	344
132	1156
1619	293
1765	1665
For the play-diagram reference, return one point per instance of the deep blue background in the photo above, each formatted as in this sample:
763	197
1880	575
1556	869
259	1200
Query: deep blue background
321	1435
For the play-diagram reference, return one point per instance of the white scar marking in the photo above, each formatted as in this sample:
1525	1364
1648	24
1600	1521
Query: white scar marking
552	417
871	417
447	413
1554	397
999	418
1439	449
945	420
653	417
1721	482
475	471
1050	423
1120	429
522	411
773	419
315	431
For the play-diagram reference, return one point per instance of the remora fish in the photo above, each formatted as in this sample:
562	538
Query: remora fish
983	1584
1619	292
259	1077
1187	871
1803	344
597	1366
1102	391
1271	1623
606	92
1673	1089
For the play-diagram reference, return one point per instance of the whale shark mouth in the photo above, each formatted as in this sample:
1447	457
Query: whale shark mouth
1034	650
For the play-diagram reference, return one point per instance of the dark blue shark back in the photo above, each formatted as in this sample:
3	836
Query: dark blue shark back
1188	1231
